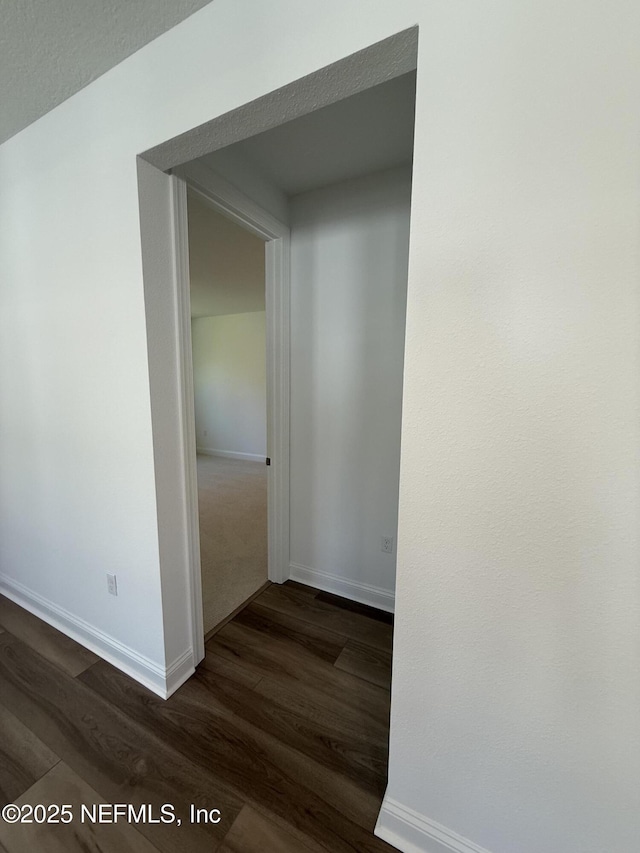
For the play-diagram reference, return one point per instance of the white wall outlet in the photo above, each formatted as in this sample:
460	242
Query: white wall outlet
112	585
386	544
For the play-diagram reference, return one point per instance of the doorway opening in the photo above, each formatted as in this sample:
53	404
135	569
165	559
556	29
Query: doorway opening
329	191
340	177
228	333
236	391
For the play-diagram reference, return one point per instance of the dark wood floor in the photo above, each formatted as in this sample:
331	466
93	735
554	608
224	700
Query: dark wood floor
283	728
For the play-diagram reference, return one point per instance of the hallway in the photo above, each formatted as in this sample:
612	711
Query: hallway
283	728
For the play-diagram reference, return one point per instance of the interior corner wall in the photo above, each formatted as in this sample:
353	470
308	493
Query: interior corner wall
230	384
349	253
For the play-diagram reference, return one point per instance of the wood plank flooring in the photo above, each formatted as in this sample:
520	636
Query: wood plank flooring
23	757
51	644
59	785
283	728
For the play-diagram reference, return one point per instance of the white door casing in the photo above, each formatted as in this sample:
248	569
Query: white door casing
226	199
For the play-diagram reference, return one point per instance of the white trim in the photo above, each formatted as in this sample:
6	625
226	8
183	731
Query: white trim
225	198
180	670
374	596
182	307
221	195
160	679
232	454
412	832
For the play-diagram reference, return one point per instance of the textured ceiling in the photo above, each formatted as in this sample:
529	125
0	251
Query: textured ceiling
49	49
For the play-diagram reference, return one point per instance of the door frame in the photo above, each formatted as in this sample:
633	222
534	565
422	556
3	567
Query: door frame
223	197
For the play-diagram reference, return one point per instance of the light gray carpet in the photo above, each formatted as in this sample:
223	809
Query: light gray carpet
232	496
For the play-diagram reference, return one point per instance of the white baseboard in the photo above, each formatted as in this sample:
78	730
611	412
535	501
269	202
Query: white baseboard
159	679
231	454
412	832
374	596
180	671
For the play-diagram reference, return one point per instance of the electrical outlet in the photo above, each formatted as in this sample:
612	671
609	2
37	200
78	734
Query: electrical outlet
386	544
112	585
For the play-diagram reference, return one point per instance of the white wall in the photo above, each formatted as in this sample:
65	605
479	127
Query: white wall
349	250
229	372
516	693
226	264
